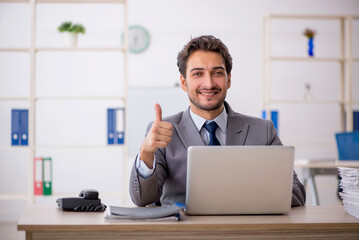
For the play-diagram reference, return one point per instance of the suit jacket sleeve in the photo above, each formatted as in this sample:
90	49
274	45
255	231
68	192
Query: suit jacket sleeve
298	191
145	191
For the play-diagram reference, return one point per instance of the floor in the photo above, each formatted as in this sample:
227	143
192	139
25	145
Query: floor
8	231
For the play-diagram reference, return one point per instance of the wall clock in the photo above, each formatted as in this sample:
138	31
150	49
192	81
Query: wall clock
138	39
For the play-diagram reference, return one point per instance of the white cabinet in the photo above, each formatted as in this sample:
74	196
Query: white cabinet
67	91
314	95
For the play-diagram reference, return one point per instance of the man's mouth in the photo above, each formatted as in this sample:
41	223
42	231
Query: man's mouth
208	93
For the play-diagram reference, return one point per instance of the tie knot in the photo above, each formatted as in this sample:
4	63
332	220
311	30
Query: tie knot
211	127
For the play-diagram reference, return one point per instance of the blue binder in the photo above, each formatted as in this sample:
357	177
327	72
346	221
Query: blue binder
24	127
348	145
274	117
19	127
111	121
275	120
120	126
15	127
115	126
264	114
356	121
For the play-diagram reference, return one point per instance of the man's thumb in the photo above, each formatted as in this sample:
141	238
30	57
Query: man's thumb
158	111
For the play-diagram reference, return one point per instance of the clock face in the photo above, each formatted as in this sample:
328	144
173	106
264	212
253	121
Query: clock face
138	39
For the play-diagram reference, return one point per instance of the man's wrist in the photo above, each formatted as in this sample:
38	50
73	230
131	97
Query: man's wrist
147	158
142	168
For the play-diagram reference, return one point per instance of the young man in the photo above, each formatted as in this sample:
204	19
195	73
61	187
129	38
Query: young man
159	171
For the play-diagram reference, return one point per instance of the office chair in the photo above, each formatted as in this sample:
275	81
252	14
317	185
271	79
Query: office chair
348	145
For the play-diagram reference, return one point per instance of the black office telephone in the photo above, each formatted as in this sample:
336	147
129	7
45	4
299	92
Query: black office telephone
87	201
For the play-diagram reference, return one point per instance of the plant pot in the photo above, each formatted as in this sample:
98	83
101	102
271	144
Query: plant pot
71	39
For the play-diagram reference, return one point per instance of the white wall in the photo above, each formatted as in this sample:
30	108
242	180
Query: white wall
239	25
153	74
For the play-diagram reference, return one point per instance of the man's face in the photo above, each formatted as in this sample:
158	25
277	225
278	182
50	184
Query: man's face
206	82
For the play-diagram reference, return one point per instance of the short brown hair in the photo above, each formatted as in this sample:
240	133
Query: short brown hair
205	43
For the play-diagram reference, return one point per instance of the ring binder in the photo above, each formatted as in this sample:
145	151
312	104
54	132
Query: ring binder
38	180
19	127
115	126
15	127
47	175
274	117
24	126
111	121
120	126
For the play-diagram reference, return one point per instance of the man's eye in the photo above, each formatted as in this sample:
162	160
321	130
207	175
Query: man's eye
218	73
196	74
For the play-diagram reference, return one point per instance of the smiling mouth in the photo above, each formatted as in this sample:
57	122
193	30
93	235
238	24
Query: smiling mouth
208	93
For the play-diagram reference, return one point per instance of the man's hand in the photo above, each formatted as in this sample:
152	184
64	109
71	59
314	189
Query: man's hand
158	137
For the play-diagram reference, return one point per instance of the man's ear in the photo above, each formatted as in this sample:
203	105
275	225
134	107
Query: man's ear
229	81
183	83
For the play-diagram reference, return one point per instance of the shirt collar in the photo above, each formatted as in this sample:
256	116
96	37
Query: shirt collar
221	120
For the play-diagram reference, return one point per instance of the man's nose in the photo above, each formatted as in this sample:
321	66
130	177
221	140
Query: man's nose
208	80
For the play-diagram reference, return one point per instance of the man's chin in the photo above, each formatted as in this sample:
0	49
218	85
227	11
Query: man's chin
209	107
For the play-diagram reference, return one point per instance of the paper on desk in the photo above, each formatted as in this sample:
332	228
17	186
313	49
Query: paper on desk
350	184
170	212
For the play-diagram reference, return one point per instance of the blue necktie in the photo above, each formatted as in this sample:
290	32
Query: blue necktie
211	128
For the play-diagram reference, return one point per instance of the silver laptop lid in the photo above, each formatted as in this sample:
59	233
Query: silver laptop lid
239	180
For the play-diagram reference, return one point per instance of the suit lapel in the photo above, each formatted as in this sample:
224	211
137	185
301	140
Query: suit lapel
187	131
236	134
236	129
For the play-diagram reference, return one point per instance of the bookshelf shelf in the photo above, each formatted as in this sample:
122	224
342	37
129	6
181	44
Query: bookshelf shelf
300	107
14	1
316	59
14	98
78	97
13	196
65	1
79	146
345	61
32	98
9	147
299	16
14	49
291	101
81	1
78	49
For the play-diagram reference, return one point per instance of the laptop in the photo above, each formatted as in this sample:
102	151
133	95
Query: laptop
231	180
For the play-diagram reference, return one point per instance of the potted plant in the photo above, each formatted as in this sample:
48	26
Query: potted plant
73	30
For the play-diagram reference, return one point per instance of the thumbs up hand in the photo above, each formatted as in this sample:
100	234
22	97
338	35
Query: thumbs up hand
159	136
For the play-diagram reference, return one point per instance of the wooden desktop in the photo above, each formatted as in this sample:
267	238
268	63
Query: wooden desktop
319	222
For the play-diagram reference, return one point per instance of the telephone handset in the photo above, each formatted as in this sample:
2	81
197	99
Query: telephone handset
87	201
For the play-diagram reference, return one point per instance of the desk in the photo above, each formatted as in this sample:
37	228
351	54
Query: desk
319	222
311	168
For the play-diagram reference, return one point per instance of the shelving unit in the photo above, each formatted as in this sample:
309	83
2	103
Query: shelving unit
345	61
33	98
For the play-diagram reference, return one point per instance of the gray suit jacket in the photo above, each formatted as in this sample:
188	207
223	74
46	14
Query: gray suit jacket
168	182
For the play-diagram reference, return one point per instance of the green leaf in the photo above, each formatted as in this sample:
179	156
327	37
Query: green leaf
71	28
65	26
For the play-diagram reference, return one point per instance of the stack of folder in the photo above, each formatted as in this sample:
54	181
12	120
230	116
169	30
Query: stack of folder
170	212
350	184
